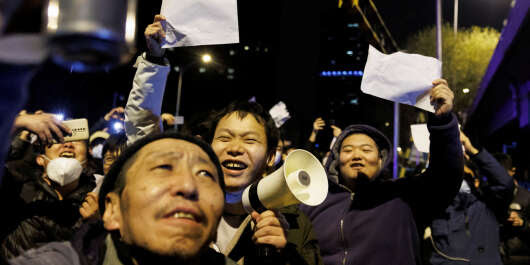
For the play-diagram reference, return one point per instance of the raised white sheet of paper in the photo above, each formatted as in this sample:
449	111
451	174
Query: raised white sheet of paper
401	77
199	22
420	137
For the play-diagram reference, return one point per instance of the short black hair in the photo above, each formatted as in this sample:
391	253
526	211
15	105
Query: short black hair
242	109
115	179
115	143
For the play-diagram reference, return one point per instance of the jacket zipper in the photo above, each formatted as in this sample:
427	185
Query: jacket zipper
342	232
343	241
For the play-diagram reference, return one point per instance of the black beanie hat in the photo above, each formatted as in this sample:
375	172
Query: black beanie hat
110	179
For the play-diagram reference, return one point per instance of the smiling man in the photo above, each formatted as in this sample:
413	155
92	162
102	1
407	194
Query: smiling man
45	201
161	202
366	219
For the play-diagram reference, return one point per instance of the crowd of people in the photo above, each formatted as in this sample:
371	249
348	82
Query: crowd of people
150	195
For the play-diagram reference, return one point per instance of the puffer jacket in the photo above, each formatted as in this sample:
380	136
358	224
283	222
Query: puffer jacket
34	215
378	223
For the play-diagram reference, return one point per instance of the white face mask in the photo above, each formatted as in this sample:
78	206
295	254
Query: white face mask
97	151
64	170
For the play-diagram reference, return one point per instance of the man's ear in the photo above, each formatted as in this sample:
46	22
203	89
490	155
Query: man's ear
112	218
40	161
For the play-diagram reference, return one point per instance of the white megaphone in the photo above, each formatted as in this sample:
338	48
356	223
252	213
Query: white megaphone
301	179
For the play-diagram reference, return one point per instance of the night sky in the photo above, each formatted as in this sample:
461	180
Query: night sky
287	50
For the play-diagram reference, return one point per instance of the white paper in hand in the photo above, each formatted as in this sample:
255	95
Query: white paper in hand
401	77
279	114
420	137
199	22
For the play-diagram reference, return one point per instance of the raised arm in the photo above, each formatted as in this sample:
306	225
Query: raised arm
498	192
142	112
435	189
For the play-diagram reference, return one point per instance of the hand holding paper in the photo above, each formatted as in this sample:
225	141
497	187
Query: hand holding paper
442	97
154	36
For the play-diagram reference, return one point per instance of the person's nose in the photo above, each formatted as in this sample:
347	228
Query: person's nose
235	148
184	184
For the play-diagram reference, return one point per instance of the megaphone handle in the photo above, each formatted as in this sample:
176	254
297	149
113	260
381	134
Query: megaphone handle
266	250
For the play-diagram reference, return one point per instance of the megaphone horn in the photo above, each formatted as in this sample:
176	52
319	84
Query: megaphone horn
301	179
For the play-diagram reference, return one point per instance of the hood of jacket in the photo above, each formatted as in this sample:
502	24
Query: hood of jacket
383	145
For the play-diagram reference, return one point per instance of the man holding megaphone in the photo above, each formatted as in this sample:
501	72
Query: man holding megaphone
244	136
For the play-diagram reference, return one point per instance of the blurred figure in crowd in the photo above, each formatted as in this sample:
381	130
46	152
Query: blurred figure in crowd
49	200
515	230
468	230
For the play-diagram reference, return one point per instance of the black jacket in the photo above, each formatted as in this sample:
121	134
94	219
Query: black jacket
33	213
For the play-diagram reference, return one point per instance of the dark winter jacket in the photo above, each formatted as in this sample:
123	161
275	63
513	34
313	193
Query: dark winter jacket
93	245
469	227
33	213
378	223
301	249
516	240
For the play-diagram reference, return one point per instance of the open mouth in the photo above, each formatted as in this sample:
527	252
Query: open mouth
183	214
234	165
67	154
356	165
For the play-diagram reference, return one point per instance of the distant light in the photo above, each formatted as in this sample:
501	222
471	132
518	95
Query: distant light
266	49
59	116
465	90
387	124
230	70
349	52
53	15
206	58
230	77
246	48
117	126
398	149
353	25
354	101
232	52
176	69
333	62
202	70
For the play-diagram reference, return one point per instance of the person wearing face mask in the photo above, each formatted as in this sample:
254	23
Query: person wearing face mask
49	200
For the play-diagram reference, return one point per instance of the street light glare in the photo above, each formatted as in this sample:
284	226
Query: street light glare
465	90
206	58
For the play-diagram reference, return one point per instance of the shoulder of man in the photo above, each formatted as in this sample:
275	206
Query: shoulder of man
54	253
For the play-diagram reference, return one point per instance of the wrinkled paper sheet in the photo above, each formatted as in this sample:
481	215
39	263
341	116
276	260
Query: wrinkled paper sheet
401	77
279	114
199	22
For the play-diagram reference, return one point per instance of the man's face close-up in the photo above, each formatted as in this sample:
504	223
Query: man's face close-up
241	145
75	149
172	201
359	153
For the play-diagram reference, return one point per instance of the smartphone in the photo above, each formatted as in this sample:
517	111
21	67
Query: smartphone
79	129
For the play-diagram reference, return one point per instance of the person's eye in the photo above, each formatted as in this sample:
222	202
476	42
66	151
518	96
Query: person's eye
251	141
164	167
346	150
223	138
366	150
205	173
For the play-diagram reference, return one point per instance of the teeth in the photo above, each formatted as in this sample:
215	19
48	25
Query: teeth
234	165
67	154
184	215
